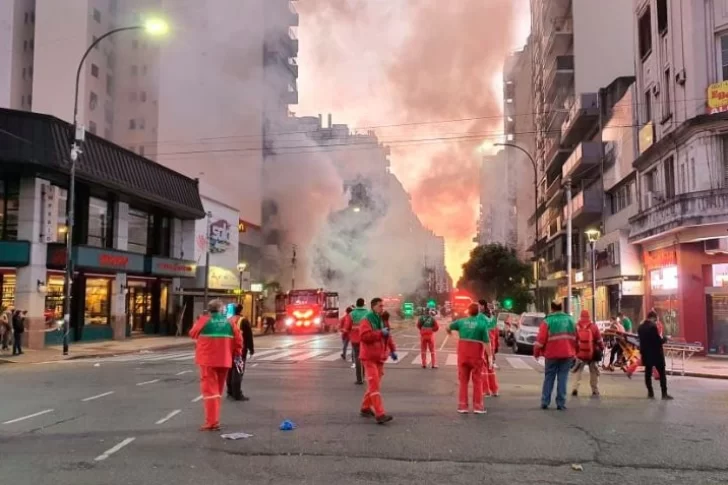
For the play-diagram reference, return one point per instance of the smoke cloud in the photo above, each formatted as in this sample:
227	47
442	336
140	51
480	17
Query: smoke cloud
418	61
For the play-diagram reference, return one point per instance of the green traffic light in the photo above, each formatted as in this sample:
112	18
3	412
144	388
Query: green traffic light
431	304
508	303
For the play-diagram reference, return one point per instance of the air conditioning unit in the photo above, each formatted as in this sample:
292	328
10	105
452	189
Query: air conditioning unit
681	77
716	246
656	90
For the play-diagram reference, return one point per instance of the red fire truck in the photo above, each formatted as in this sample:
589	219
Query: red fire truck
307	310
460	301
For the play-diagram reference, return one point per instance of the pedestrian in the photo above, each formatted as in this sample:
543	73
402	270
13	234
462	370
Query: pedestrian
235	377
556	341
626	322
473	345
351	326
18	330
653	354
376	345
589	351
616	354
345	335
6	327
219	345
490	380
427	325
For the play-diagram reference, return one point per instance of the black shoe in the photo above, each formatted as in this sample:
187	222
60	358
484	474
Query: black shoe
544	406
343	357
650	396
667	397
366	413
574	393
244	398
561	408
384	418
359	383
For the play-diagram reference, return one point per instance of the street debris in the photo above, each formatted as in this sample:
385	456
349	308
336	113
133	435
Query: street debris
288	425
236	436
577	468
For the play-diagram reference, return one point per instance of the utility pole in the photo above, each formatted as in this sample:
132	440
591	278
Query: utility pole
569	236
207	260
293	268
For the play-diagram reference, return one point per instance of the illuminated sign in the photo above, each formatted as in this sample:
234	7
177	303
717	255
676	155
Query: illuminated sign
220	236
256	287
632	288
579	277
660	258
664	278
172	267
720	275
718	97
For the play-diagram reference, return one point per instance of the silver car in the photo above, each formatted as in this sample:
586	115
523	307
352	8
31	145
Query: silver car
524	336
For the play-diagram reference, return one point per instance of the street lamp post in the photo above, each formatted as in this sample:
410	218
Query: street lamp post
241	270
152	27
535	212
593	236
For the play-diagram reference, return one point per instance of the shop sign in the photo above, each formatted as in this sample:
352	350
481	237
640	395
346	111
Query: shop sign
243	226
49	213
223	279
579	277
96	258
220	236
664	278
176	268
632	288
14	253
720	275
661	258
256	287
718	97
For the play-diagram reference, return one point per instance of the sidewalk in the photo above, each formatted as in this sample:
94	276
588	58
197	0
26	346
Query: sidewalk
710	368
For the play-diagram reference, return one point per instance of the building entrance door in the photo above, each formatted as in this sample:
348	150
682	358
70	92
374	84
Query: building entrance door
138	308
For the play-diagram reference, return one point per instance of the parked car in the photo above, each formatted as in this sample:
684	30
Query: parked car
524	336
505	320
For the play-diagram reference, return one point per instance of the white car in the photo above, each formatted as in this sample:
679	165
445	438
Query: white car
526	332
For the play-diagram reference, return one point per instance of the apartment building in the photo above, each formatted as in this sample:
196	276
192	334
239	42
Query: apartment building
578	48
498	185
682	165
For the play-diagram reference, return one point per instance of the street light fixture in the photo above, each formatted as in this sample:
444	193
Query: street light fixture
153	27
241	269
593	236
535	202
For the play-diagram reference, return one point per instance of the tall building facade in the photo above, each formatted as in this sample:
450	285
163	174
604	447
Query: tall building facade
498	185
681	54
569	70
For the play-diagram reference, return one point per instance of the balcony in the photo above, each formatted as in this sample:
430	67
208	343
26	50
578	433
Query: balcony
290	97
586	206
292	15
554	9
559	73
554	154
290	43
582	116
555	114
560	35
553	191
585	156
293	67
684	210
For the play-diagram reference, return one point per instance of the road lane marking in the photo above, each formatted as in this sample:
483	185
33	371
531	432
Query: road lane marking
254	365
189	356
333	357
40	413
518	363
286	354
113	450
147	382
452	359
400	358
97	396
265	352
169	416
172	356
309	355
183	372
198	398
444	342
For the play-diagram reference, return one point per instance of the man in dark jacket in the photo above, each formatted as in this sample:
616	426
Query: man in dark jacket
653	355
18	330
235	378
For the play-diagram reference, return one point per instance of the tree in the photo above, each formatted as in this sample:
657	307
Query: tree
495	273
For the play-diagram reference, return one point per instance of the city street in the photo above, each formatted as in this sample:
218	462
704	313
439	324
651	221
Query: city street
134	419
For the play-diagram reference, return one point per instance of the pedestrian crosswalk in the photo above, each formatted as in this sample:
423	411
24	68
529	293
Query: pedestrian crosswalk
325	355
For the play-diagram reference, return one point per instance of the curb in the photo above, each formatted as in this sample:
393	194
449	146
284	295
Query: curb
105	354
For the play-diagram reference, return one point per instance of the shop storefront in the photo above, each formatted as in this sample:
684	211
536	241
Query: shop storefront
13	254
717	310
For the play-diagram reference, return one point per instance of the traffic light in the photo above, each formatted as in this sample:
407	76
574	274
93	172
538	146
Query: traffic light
408	309
431	304
508	303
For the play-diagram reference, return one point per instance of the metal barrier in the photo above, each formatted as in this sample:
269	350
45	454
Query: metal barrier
679	352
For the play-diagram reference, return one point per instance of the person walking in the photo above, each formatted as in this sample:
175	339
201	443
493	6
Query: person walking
376	345
589	351
345	335
427	325
490	379
235	376
653	354
18	330
218	346
6	327
556	341
351	326
626	322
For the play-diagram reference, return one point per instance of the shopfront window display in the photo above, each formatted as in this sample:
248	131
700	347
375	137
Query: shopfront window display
667	310
718	329
7	297
53	301
98	301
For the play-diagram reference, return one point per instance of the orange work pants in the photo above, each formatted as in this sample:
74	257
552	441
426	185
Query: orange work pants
470	369
212	383
372	397
427	342
490	380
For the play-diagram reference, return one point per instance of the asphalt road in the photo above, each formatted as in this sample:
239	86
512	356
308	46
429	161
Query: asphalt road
133	420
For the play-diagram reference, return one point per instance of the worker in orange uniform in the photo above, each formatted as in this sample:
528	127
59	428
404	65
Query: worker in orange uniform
376	346
473	344
351	327
490	380
427	324
219	344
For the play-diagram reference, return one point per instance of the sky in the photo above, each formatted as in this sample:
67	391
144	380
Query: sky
425	76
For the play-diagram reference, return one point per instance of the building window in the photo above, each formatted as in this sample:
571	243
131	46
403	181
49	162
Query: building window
667	102
99	223
92	127
98	297
669	167
138	231
724	56
622	198
132	124
648	107
662	16
109	85
95	70
134	70
31	44
143	96
693	182
93	101
644	28
9	208
97	15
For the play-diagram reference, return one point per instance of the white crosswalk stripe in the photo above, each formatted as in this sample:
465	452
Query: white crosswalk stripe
452	359
518	363
400	358
333	357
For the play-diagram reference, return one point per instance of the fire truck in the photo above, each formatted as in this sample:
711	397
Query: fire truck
459	302
307	310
